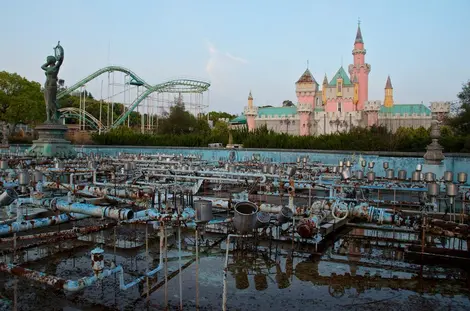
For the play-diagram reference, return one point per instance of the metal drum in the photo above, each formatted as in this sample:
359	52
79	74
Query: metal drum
37	176
390	174
416	176
244	220
462	177
359	174
59	165
291	171
346	173
448	176
429	177
203	210
264	168
127	166
370	176
402	175
419	167
272	169
334	170
348	163
4	165
261	282
7	197
231	168
23	178
262	219
241	278
371	164
452	190
363	163
285	215
385	165
433	189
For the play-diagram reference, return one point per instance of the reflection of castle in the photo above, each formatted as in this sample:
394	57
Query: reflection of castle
342	103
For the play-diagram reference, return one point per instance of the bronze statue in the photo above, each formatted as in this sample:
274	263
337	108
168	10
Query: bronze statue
51	68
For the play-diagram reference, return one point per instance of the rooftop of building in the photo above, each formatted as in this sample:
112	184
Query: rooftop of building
340	74
408	109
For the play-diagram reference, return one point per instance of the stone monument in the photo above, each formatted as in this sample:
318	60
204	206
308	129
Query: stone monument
51	141
434	153
433	158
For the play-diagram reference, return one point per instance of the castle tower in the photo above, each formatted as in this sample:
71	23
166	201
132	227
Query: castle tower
356	90
305	110
360	69
305	88
388	101
251	112
372	108
323	90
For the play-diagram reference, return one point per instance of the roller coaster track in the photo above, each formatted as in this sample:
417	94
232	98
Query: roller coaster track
71	112
173	86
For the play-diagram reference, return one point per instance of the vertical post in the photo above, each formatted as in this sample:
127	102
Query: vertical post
101	108
197	269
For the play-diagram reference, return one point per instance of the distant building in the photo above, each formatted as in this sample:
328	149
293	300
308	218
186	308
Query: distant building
339	104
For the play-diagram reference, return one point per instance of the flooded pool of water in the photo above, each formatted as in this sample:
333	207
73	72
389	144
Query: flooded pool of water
353	273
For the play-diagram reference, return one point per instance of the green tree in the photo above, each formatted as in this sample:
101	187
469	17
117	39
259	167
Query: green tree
21	100
216	115
179	121
461	122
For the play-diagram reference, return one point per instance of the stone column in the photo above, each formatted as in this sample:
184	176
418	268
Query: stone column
434	153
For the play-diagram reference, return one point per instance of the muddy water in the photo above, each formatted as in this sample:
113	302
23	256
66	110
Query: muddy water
352	274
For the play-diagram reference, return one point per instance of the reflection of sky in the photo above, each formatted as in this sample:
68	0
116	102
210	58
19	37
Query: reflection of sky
311	290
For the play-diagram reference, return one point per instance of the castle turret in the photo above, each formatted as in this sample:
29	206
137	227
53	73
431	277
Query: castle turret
388	101
251	112
323	89
356	90
306	87
440	110
372	108
360	69
304	110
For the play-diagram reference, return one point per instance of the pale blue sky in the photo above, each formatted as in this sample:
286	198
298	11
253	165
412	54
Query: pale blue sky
262	45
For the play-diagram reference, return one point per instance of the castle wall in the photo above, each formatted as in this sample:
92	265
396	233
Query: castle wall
395	122
347	92
347	105
275	124
333	122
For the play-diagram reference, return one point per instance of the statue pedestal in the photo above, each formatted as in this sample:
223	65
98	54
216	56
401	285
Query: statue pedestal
52	142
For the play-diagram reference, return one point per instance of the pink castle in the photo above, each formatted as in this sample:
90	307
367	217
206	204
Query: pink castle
341	104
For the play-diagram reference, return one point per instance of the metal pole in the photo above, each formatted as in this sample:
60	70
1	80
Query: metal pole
101	107
197	269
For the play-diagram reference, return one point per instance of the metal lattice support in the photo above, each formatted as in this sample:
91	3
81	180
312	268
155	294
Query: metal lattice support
179	86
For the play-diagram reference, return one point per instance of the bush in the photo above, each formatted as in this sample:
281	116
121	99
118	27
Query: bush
361	139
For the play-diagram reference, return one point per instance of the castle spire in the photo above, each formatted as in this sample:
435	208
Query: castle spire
388	84
325	80
250	97
359	33
388	102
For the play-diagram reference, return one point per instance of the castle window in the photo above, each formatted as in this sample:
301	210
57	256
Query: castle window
340	107
317	101
340	86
